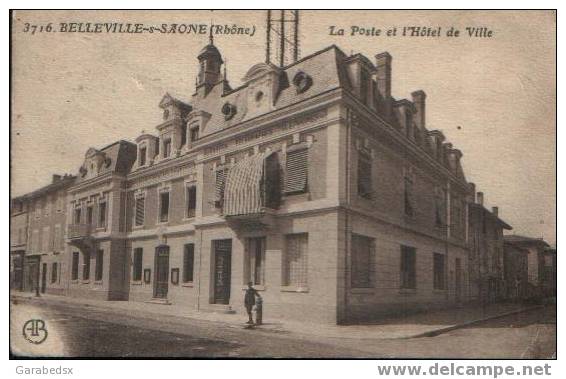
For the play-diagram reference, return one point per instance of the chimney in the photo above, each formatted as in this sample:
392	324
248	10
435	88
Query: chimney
480	198
383	63
55	178
454	156
472	192
419	98
495	211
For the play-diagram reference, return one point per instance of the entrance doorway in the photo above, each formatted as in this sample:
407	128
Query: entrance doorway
31	273
43	277
222	271
161	272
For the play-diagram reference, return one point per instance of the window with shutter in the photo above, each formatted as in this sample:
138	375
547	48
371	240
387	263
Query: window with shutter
408	195
191	201
75	266
86	265
99	265
362	261
188	263
164	207
364	176
53	272
219	185
254	270
138	264
140	211
102	214
439	271
296	171
408	267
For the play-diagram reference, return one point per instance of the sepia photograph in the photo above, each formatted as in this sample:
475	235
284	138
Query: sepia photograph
235	184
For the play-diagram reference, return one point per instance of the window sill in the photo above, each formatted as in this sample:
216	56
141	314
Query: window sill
294	289
188	284
189	218
137	283
362	290
138	227
74	281
296	193
162	223
85	281
407	291
98	282
257	287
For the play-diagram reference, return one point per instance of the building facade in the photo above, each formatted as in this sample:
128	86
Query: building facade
18	241
487	274
541	264
516	271
311	181
43	266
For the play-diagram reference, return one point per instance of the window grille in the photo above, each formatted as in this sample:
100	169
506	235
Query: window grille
295	265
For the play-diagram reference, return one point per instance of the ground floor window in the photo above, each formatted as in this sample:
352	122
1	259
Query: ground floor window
254	270
188	263
408	267
295	260
75	266
138	262
362	261
439	271
86	266
99	265
53	272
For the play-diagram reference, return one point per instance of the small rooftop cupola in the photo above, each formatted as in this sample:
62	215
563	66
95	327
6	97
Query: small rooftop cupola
210	62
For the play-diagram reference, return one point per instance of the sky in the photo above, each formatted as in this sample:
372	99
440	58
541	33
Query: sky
494	98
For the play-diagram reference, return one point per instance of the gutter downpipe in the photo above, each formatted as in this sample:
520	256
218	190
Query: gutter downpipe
347	215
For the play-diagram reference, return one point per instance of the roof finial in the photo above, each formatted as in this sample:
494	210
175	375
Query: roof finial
210	37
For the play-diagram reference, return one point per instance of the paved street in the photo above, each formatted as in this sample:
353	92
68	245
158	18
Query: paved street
85	331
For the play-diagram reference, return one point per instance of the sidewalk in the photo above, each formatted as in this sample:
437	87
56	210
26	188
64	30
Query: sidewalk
417	325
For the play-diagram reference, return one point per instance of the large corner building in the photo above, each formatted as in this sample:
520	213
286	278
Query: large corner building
311	180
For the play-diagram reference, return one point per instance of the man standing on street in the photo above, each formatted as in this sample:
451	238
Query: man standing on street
249	301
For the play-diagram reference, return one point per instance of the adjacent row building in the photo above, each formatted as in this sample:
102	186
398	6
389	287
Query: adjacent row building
334	198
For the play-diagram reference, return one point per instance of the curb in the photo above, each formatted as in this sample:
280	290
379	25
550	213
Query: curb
146	314
436	332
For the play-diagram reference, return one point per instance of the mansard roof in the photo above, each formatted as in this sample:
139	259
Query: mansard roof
324	67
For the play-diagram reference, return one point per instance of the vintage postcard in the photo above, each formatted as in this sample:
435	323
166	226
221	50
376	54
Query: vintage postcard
283	184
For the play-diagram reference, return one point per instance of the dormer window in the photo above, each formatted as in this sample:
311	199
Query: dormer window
165	114
302	81
183	135
194	133
142	155
166	148
229	111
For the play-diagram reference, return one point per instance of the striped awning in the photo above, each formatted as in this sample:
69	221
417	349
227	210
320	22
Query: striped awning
243	193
